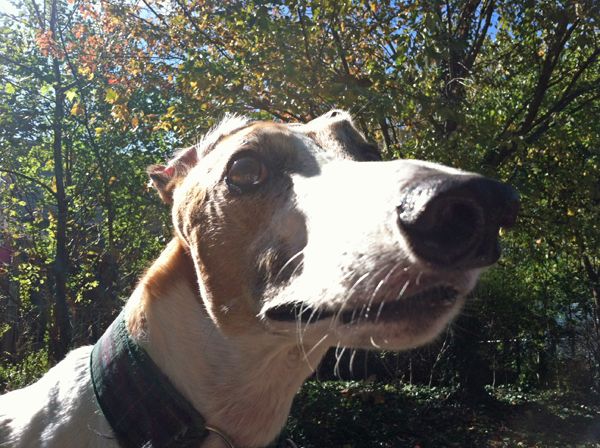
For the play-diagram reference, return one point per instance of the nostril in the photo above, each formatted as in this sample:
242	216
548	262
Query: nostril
446	230
458	222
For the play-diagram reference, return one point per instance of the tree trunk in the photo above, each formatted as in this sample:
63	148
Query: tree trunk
594	284
473	371
9	298
62	327
387	141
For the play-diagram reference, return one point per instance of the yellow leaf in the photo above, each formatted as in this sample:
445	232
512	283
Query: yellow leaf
77	109
570	212
135	122
71	94
162	126
120	112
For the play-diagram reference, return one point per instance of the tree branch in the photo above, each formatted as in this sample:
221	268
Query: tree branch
156	14
562	35
338	42
38	15
192	21
481	35
31	179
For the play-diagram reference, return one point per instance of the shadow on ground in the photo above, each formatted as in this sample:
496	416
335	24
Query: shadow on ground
356	415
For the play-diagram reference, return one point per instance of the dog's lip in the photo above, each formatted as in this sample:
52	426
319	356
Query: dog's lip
430	300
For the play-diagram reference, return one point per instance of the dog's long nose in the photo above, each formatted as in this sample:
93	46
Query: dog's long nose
453	220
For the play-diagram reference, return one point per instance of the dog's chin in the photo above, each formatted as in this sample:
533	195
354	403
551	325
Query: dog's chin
398	333
395	324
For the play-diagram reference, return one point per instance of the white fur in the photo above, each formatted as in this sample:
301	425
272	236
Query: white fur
59	410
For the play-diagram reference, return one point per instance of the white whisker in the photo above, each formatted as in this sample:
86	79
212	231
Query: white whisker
418	280
375	290
351	363
314	347
338	357
403	290
374	344
287	263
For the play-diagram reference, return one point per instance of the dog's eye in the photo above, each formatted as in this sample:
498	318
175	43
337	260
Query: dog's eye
246	173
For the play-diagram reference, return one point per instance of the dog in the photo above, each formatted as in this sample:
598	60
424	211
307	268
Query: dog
289	239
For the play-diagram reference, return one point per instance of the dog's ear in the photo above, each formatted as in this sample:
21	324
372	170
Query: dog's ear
336	132
166	178
161	178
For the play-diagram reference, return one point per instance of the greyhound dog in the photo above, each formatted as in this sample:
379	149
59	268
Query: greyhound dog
289	239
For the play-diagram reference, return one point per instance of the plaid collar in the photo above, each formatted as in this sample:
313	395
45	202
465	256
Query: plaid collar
140	403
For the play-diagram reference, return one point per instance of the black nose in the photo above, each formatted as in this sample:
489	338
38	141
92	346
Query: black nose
453	220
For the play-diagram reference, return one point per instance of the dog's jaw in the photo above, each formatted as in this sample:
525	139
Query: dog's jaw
379	313
225	376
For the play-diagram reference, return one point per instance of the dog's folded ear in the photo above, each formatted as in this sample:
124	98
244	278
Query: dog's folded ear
160	179
336	131
166	178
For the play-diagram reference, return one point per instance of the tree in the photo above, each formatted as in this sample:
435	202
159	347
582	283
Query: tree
54	159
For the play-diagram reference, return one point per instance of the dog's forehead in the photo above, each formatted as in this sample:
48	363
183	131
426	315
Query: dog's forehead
236	132
267	136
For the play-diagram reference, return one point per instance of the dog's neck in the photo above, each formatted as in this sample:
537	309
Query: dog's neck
244	386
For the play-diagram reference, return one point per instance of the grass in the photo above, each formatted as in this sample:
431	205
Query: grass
355	415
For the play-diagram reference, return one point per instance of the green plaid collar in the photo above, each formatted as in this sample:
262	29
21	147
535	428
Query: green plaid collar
140	403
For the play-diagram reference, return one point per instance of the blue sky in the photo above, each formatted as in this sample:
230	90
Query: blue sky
7	6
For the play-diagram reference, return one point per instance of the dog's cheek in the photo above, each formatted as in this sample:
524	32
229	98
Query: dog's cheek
220	236
278	251
197	223
275	265
188	210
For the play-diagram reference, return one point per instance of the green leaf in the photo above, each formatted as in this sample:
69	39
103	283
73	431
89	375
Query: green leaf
46	89
111	96
9	88
71	94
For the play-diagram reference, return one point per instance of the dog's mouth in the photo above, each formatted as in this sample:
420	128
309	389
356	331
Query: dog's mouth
429	302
